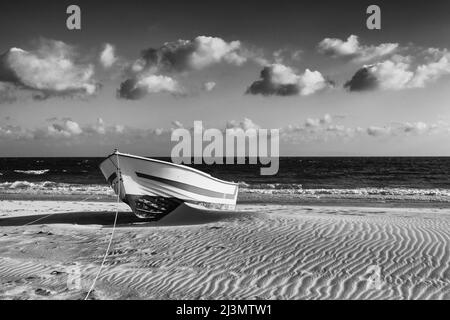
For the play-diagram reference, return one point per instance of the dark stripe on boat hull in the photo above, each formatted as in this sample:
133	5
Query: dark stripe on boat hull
112	177
188	187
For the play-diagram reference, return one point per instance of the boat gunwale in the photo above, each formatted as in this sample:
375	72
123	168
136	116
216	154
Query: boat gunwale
171	164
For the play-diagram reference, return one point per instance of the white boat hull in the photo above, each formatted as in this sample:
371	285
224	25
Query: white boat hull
154	188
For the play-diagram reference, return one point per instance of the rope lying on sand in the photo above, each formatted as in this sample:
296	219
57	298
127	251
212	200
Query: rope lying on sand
112	232
110	239
41	218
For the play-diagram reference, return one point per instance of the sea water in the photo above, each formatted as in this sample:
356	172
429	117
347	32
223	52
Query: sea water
299	179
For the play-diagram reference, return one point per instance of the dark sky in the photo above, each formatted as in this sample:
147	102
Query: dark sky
272	22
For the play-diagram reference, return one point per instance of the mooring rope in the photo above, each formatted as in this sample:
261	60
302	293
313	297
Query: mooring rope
41	218
112	232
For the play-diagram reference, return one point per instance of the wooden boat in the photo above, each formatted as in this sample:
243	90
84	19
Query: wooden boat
154	188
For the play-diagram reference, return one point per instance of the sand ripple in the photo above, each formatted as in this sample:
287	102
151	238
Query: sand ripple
282	252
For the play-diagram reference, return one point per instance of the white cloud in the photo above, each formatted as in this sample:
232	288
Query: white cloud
417	127
73	127
209	86
431	71
158	83
278	79
186	55
353	49
137	88
11	132
50	70
119	128
157	68
108	56
338	47
211	50
319	129
399	73
66	128
311	82
99	127
246	124
316	122
326	119
392	75
325	128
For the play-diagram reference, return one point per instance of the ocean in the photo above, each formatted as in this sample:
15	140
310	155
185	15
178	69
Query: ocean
424	180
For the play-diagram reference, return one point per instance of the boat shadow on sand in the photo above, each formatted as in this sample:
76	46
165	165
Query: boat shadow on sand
183	215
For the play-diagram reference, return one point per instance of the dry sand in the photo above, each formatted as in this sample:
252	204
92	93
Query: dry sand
260	252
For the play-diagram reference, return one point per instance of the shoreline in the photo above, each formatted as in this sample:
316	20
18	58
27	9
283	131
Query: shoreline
251	198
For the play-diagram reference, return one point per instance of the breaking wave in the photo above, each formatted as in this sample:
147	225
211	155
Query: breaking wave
390	193
264	191
49	188
33	172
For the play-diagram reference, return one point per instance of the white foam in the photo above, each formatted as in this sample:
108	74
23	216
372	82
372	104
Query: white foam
434	194
50	187
33	172
276	189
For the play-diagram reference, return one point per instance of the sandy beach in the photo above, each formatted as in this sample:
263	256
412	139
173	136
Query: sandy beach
258	252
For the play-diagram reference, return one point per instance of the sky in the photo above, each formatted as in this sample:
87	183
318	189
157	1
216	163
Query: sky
137	70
